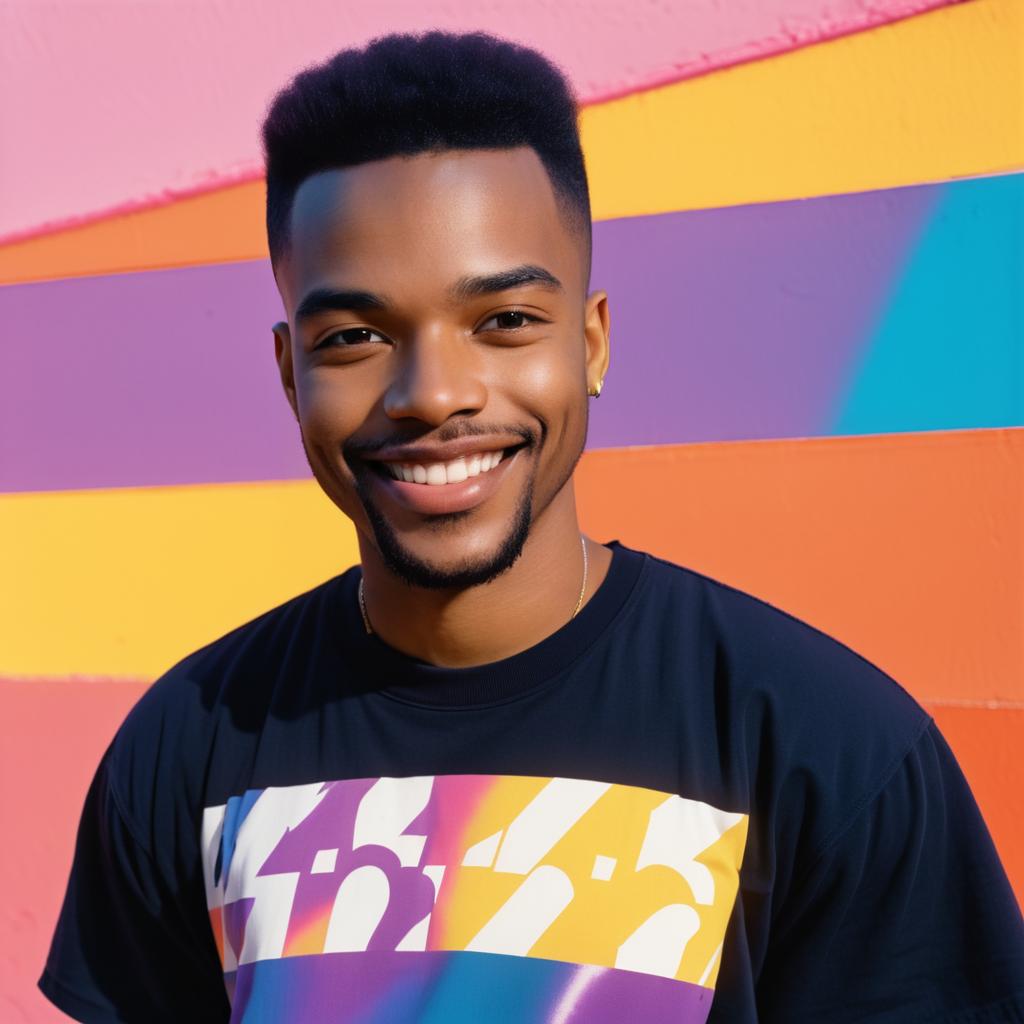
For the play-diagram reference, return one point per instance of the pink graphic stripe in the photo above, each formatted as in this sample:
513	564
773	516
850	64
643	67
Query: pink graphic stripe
461	796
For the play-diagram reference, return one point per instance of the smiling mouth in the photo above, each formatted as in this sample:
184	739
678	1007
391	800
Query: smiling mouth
437	474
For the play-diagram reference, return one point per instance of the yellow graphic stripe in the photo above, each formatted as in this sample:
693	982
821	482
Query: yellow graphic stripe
926	99
126	582
607	907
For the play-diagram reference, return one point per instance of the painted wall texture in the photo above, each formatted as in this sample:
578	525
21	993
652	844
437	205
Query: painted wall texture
809	221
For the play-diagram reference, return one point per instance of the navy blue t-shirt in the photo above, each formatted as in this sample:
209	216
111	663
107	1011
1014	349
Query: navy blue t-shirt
684	805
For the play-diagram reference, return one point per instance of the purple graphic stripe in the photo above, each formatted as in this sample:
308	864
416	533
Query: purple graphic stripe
457	987
726	324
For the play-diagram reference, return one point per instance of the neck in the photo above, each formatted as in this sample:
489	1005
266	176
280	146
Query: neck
478	625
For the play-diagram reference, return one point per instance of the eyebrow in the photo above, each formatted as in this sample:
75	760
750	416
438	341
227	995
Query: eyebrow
332	300
516	277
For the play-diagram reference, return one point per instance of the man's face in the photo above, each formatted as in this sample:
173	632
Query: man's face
437	354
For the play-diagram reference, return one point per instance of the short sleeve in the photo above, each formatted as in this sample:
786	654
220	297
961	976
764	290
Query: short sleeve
905	916
128	946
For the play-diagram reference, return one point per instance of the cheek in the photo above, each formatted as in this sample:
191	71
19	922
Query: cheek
331	409
552	386
332	405
548	377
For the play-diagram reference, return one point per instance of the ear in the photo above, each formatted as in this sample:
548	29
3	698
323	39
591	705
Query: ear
283	355
596	327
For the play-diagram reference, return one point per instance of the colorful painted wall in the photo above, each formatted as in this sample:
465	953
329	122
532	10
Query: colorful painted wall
810	220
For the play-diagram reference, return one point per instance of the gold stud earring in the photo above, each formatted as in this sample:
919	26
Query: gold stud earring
595	391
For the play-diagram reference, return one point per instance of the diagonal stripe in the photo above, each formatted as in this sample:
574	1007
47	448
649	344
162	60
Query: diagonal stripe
929	98
132	580
932	98
947	352
158	378
108	70
744	322
906	547
755	319
898	545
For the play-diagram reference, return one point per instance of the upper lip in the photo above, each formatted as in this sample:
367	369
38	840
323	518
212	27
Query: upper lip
425	454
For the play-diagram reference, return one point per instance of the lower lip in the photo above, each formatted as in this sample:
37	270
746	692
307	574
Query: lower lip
440	499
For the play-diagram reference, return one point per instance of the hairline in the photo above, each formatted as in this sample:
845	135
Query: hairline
572	215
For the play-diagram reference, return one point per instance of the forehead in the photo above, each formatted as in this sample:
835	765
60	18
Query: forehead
411	225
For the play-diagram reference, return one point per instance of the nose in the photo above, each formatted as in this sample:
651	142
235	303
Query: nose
438	375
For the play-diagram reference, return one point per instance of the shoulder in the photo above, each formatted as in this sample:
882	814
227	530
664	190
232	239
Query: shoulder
772	655
814	726
244	656
223	691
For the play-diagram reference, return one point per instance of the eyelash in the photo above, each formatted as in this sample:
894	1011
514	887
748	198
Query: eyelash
530	318
515	312
338	334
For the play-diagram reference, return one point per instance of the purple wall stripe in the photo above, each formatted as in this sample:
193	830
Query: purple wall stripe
744	322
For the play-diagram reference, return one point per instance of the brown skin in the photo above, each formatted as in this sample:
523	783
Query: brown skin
430	368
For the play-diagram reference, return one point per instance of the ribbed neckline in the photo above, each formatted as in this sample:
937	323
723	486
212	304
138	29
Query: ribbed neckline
401	677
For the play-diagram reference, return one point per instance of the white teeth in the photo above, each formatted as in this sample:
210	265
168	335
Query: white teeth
436	473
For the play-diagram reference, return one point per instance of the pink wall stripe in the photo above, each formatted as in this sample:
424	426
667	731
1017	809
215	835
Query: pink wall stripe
81	83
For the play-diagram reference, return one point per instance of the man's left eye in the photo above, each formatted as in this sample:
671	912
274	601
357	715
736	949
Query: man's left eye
509	320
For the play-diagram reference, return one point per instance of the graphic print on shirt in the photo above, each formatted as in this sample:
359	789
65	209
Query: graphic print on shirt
470	897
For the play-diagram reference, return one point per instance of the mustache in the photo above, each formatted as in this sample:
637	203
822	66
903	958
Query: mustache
446	433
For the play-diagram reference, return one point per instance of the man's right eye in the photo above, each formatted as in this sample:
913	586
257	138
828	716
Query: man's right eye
351	336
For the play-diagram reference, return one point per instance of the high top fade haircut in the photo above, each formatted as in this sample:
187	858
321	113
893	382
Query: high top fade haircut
407	94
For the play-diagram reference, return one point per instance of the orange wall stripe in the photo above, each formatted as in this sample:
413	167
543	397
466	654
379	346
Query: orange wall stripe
906	547
221	226
987	744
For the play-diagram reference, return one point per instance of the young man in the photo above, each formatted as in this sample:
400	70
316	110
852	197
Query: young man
501	772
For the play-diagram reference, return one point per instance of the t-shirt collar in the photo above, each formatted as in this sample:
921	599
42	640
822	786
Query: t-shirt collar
399	676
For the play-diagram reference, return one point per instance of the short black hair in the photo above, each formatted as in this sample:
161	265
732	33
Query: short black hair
404	94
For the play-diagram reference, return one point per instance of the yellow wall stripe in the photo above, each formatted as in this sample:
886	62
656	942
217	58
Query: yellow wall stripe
933	97
899	545
125	582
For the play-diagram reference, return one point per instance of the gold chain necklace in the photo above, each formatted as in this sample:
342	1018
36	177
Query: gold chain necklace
579	603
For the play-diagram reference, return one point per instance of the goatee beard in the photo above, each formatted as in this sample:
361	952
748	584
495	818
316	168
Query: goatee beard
418	573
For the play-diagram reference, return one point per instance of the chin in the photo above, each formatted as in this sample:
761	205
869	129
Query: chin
419	569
